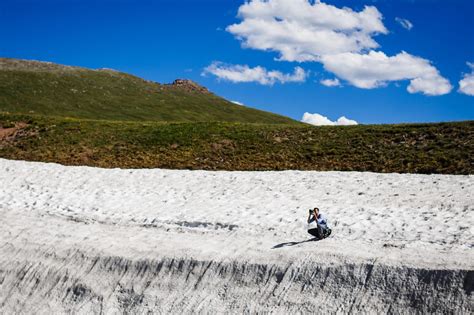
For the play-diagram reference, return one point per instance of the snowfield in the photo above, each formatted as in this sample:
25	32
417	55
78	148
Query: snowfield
89	240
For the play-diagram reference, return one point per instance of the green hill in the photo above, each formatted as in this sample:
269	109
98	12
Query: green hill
445	148
42	88
77	116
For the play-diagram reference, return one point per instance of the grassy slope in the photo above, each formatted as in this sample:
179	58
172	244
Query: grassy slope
418	148
49	89
119	120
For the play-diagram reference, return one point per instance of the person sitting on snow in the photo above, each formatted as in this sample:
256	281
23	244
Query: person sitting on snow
317	224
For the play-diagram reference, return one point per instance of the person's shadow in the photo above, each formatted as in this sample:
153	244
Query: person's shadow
295	243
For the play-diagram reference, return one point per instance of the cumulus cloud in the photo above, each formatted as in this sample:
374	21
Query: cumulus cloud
320	120
404	23
376	69
330	82
466	85
237	103
300	30
243	73
340	38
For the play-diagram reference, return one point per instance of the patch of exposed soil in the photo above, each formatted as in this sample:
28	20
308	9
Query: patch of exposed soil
10	134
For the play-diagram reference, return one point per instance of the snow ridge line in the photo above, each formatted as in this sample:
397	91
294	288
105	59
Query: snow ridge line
81	282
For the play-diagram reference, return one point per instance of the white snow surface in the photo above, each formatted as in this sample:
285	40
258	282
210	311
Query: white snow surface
419	221
250	211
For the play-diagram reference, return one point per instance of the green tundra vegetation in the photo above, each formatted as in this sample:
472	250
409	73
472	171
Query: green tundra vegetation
32	87
183	126
419	148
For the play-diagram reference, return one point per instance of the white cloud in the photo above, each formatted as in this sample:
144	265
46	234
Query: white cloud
340	38
237	103
243	73
320	120
343	121
330	82
300	30
404	23
376	69
466	85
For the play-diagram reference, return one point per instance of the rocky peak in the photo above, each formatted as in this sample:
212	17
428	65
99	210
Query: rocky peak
189	85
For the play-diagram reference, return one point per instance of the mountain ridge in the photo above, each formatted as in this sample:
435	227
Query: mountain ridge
45	88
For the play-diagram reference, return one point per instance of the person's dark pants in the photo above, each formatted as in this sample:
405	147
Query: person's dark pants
316	232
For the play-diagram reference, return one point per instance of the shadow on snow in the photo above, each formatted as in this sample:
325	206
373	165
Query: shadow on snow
295	243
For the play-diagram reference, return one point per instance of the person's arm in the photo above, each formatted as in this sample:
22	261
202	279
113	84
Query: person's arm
317	218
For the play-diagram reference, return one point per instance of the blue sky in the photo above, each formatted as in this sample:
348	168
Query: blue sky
168	39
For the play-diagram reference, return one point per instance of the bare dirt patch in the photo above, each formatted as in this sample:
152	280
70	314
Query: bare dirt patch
10	134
